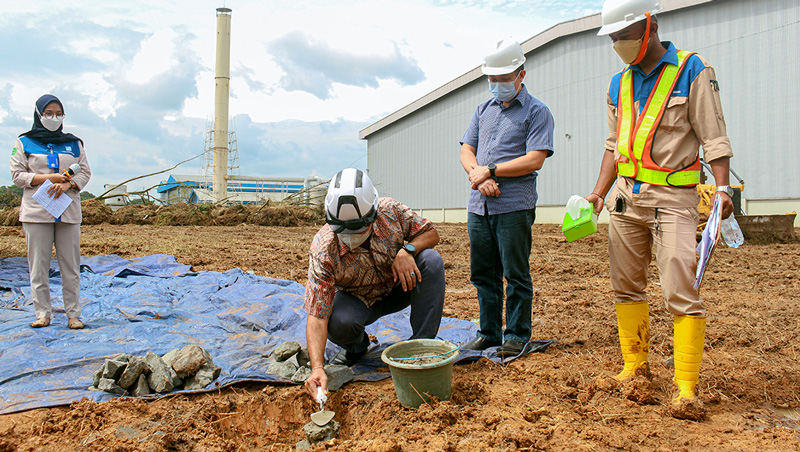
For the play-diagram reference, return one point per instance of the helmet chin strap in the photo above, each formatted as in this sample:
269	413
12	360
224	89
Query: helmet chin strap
645	42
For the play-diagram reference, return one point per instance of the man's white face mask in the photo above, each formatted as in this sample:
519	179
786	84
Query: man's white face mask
355	240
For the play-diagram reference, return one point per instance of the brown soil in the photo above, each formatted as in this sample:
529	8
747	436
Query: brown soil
546	401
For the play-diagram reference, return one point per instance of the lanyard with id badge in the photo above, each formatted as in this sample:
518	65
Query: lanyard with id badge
52	163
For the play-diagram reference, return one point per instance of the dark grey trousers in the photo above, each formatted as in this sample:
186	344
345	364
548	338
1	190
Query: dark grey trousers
350	315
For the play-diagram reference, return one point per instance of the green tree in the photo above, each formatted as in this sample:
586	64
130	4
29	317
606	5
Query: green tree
86	195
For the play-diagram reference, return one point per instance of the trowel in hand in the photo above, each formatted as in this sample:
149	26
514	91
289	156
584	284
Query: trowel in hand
323	416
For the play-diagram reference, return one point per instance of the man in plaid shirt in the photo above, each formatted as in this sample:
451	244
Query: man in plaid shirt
374	257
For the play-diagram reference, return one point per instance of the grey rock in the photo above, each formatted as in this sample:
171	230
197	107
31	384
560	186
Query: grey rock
170	356
128	432
141	388
132	371
338	376
121	357
98	374
316	434
160	379
207	356
189	360
93	388
303	445
284	369
109	385
176	380
285	351
301	375
203	377
113	369
302	357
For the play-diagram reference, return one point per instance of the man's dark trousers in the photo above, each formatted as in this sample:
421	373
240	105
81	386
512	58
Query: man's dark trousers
350	315
500	246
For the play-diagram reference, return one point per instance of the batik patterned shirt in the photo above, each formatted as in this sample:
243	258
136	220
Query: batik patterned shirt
363	273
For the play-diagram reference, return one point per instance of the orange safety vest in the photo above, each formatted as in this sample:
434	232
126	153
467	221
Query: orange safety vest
639	165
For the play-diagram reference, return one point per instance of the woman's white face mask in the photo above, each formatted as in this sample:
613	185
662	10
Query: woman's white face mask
353	241
51	124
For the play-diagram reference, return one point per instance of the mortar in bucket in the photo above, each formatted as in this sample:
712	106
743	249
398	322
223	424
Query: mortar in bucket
421	369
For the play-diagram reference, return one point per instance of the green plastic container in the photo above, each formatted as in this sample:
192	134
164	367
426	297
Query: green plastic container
580	228
414	384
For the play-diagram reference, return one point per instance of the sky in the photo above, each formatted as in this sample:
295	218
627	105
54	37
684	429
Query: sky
137	78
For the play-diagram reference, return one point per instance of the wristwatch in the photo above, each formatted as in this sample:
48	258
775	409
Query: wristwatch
73	184
410	249
725	188
491	167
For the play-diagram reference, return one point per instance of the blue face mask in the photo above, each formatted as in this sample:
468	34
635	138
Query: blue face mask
503	91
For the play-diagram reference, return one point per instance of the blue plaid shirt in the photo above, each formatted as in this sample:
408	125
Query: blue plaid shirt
501	134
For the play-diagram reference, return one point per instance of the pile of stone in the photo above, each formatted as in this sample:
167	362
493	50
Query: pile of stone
298	370
190	367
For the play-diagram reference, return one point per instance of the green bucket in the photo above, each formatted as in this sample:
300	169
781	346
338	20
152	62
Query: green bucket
421	369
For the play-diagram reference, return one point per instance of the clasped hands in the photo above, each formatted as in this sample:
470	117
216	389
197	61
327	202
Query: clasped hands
480	179
60	185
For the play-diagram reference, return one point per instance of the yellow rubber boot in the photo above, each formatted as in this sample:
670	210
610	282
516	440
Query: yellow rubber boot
690	334
634	338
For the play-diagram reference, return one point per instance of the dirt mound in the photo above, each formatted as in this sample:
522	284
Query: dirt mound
95	212
184	215
211	215
232	216
10	217
286	216
139	214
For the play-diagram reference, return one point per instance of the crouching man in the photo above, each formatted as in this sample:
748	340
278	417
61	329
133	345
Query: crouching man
374	257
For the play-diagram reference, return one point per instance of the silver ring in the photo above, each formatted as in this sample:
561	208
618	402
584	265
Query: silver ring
412	274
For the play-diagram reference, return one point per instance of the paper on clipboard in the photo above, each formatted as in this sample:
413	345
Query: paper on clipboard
56	206
708	241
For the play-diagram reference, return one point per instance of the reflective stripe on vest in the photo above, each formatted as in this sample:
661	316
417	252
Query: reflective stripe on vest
640	166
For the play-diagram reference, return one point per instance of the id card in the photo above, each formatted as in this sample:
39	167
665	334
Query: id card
52	161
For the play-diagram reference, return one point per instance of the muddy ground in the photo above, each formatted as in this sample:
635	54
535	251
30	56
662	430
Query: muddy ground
750	379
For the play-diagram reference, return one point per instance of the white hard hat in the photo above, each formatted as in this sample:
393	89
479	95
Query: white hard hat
351	204
619	14
505	59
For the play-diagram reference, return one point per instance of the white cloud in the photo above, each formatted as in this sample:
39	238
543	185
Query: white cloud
155	57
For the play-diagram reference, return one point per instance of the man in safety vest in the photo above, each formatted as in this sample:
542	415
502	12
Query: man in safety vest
661	108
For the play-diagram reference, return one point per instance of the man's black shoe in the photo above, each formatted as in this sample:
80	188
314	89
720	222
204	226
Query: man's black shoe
479	344
510	348
347	358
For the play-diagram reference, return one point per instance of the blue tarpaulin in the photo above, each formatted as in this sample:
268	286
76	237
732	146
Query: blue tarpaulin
157	304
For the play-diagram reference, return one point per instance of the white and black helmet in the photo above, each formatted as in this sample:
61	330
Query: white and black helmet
351	204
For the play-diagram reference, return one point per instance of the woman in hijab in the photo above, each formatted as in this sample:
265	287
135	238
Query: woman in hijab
43	155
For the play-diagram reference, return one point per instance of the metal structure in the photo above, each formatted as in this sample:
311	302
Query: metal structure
222	82
752	45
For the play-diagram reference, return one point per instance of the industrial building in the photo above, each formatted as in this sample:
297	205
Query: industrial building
413	153
242	190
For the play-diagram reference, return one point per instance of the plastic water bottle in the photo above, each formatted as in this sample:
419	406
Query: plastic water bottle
731	233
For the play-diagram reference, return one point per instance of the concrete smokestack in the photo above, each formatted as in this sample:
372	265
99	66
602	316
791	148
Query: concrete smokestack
222	81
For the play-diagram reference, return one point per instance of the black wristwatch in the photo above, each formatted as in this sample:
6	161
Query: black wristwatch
410	249
491	167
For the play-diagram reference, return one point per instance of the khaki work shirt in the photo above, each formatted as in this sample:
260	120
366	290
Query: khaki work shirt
24	166
689	122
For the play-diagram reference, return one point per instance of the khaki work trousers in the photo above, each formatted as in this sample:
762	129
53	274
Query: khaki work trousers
633	234
67	238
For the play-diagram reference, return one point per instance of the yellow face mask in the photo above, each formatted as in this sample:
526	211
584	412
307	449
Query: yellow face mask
628	50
